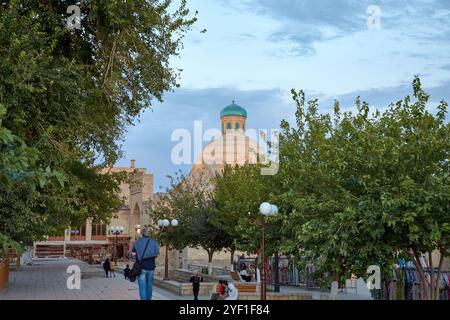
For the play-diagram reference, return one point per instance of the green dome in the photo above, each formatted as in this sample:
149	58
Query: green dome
233	110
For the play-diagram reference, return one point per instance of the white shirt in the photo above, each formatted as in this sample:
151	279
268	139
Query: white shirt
244	273
233	292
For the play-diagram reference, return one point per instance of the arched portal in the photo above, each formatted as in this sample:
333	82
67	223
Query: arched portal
135	217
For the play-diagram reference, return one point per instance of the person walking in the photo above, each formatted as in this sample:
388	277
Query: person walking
112	268
146	251
126	272
106	266
196	279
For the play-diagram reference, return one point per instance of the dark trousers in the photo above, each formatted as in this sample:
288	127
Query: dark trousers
196	291
247	278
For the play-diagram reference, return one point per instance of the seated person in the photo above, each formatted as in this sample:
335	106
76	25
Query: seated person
244	274
233	292
220	293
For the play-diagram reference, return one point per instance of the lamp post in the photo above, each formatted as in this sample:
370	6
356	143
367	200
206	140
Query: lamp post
137	227
165	226
116	231
266	209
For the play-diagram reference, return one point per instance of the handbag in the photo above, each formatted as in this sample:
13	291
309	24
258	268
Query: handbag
136	270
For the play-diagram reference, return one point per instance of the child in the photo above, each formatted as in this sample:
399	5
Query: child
126	272
112	268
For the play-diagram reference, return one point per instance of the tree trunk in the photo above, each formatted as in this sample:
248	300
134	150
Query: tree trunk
430	260
210	259
419	268
441	261
232	251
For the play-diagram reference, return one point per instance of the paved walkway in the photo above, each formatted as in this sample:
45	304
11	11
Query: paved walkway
47	280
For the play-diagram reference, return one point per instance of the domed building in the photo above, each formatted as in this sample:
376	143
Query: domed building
233	147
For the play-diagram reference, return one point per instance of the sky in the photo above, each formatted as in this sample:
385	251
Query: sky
256	51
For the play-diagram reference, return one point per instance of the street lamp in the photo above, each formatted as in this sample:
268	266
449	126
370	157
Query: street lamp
166	226
116	231
137	227
266	209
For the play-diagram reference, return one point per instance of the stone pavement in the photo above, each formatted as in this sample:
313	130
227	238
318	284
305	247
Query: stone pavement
46	280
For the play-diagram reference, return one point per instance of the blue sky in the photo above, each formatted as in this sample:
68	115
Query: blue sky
256	51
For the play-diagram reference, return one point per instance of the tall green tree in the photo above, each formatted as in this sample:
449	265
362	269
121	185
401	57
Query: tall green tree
363	189
69	95
190	200
238	192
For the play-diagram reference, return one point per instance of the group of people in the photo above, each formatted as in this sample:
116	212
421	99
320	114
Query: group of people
110	267
146	250
225	291
245	275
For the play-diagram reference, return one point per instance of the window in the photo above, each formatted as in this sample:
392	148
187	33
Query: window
236	126
229	125
80	231
99	229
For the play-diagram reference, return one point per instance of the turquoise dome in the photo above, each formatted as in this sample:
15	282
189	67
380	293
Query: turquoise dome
233	110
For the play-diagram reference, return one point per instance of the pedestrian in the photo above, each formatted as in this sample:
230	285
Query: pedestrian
196	279
126	272
106	266
112	268
232	291
146	251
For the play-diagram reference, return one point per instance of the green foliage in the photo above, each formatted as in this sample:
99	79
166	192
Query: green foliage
354	189
238	192
6	243
363	187
190	201
68	96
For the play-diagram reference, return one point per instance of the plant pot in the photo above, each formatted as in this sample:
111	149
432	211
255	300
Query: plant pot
4	273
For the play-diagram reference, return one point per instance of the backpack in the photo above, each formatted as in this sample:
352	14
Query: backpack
136	270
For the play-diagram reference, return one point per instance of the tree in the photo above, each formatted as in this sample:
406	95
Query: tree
363	189
69	95
190	201
19	177
416	201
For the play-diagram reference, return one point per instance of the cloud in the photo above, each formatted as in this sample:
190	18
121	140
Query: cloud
305	23
381	97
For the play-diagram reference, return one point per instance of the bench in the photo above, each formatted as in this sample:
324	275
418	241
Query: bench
246	287
235	276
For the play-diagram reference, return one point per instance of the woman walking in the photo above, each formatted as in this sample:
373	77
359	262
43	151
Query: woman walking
106	266
112	268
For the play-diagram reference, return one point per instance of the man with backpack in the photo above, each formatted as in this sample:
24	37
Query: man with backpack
146	250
